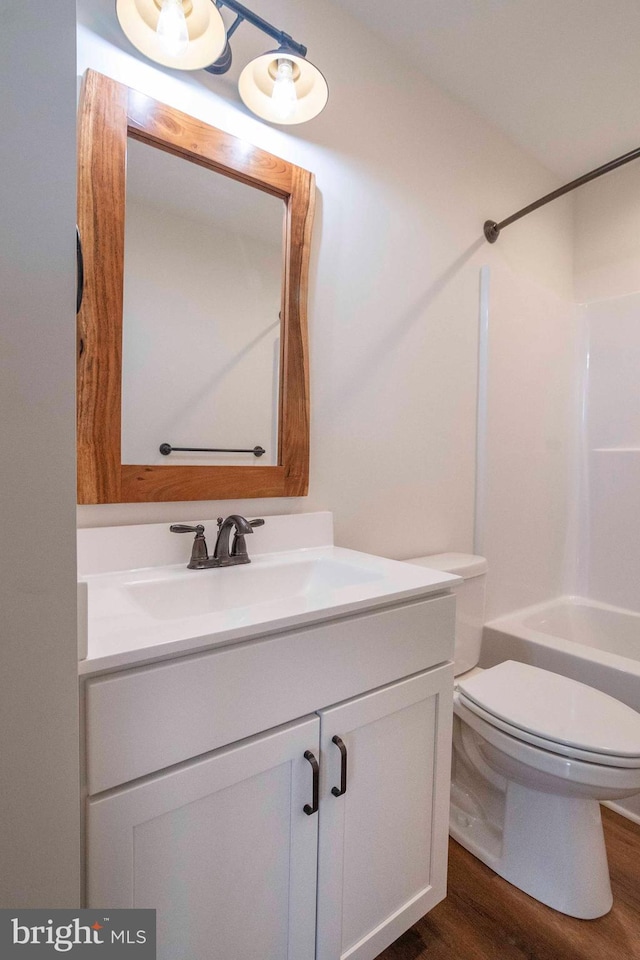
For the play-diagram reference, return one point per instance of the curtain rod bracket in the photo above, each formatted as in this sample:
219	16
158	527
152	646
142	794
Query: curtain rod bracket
491	230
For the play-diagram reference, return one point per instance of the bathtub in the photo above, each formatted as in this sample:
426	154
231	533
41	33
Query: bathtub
588	641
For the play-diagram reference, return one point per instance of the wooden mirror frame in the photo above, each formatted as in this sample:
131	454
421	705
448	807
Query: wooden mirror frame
109	113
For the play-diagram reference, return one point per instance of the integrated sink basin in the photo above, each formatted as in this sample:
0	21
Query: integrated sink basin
143	614
171	595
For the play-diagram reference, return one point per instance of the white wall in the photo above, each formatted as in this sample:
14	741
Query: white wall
39	805
406	177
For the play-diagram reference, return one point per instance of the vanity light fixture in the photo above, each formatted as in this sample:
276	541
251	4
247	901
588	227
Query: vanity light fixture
183	34
280	86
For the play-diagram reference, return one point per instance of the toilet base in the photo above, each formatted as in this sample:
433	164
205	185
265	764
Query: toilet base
549	846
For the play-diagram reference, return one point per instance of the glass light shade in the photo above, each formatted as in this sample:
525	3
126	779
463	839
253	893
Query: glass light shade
207	34
258	79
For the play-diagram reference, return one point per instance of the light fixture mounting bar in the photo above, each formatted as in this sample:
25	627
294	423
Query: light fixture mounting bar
243	13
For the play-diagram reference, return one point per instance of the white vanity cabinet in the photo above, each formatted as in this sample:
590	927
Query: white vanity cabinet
198	782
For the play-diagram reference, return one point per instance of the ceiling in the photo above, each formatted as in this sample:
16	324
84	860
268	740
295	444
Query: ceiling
560	77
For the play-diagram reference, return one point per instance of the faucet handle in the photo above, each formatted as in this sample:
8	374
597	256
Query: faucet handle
185	528
239	545
199	551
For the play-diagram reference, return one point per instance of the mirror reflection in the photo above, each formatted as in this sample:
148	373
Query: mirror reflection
203	275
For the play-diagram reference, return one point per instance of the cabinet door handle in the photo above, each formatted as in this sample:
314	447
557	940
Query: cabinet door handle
316	784
337	792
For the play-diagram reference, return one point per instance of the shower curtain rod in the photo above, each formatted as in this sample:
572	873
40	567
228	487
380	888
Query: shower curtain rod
492	229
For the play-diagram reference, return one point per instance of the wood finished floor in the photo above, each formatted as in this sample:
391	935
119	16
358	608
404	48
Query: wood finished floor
485	918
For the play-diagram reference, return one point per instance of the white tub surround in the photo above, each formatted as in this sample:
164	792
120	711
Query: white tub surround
609	566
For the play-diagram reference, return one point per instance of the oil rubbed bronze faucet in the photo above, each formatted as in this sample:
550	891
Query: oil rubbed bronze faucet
223	555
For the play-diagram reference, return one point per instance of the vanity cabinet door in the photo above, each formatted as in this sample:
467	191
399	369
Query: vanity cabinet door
383	843
221	847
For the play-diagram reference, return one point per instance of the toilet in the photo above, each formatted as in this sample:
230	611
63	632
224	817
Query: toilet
534	753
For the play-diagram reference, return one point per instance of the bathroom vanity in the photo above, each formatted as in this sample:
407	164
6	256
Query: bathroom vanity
267	746
277	787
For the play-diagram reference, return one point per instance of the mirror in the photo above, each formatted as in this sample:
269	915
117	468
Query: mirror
192	345
201	314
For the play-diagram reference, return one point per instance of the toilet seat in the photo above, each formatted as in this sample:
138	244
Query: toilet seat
551	746
554	713
607	779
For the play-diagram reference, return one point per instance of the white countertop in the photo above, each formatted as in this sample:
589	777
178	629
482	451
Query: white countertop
139	616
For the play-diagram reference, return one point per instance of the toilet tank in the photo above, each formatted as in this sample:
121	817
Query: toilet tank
469	602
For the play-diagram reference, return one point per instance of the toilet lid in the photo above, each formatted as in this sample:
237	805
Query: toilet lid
554	708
